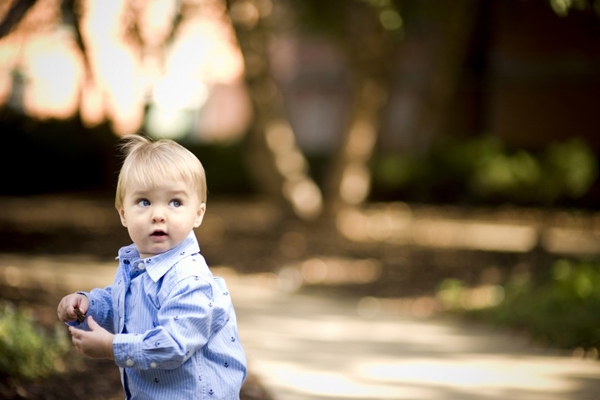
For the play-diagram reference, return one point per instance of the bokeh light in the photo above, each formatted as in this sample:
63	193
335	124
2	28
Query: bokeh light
115	74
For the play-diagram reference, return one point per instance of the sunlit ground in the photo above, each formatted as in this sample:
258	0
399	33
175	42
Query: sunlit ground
508	231
307	347
320	348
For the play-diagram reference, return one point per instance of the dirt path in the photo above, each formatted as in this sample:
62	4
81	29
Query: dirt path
322	348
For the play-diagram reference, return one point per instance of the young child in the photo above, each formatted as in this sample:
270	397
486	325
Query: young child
166	321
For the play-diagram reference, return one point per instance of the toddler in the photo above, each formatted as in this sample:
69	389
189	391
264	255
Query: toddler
166	321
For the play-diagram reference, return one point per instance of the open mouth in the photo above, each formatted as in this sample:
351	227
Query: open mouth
158	234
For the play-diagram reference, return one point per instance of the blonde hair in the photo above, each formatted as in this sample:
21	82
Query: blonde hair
150	162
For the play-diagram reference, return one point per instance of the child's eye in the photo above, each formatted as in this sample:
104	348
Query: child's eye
143	202
175	203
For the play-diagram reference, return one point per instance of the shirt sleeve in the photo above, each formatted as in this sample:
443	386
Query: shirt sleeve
189	315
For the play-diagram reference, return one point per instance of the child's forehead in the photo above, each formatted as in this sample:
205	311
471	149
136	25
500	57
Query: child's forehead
160	185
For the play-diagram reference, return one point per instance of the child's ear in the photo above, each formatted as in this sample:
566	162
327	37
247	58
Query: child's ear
199	215
122	215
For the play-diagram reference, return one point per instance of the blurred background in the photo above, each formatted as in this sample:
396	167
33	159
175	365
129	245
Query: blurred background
443	153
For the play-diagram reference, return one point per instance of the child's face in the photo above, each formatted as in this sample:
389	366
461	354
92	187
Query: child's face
160	218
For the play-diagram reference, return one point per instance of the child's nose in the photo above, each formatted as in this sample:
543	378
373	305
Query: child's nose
158	215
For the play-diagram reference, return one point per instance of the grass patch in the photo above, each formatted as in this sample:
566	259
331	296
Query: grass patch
561	312
27	350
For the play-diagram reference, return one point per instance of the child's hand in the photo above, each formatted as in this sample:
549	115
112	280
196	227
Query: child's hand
66	308
97	343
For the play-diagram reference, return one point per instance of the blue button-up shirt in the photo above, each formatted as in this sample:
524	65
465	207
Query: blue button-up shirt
174	324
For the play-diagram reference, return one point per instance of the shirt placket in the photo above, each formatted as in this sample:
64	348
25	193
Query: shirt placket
123	283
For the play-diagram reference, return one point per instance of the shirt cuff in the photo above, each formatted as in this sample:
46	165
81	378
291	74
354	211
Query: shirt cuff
128	351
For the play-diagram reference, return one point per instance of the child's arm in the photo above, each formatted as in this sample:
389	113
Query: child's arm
98	303
88	336
187	318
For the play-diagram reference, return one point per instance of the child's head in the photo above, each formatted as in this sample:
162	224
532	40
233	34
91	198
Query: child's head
161	194
151	162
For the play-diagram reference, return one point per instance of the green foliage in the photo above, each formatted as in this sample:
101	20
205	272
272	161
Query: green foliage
572	164
563	170
26	350
450	293
484	170
562	7
561	312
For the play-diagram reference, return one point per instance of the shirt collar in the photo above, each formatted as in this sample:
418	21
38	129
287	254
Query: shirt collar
158	265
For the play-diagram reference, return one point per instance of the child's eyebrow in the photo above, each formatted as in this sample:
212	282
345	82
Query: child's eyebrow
177	193
170	193
137	193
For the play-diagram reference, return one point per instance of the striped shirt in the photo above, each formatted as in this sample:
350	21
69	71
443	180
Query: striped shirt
174	324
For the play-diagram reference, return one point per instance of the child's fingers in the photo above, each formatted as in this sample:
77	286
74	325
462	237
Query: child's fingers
92	324
79	315
76	333
75	339
70	314
65	315
77	303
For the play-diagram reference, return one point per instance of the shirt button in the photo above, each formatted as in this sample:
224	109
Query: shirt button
129	362
153	365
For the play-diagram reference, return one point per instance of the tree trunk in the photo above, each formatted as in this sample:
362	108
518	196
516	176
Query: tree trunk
278	166
369	49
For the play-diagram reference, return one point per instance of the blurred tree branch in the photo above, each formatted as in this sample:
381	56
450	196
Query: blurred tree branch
14	15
